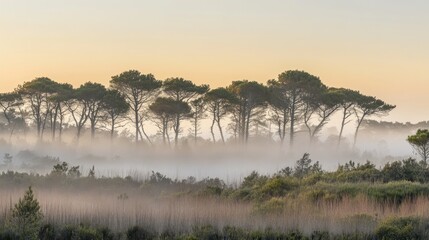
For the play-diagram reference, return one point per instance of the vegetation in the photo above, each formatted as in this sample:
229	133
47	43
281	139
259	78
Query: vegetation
420	143
295	101
364	201
26	217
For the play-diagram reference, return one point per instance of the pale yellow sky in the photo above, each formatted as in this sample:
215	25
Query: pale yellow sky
378	48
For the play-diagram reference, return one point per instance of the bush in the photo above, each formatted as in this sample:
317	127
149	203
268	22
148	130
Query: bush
276	187
272	206
207	233
138	233
397	192
26	216
233	233
47	232
400	229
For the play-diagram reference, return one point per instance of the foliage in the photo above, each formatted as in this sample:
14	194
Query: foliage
26	217
137	233
420	143
402	229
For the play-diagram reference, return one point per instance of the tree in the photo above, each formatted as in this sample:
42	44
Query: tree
138	90
325	104
367	106
92	96
182	90
8	101
198	112
37	93
115	106
348	101
220	101
298	87
304	167
166	110
58	112
250	95
27	217
420	143
280	106
78	110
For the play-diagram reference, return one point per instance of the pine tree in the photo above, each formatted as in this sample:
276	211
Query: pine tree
26	217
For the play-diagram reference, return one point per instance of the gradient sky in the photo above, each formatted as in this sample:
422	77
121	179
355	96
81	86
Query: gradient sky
378	47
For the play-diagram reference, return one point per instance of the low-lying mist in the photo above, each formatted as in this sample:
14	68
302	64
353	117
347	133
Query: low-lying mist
230	162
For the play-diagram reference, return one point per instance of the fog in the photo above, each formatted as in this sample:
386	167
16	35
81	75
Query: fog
230	162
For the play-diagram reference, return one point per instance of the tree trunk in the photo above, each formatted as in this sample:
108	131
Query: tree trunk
357	130
112	130
137	121
292	123
212	126
343	123
220	127
176	130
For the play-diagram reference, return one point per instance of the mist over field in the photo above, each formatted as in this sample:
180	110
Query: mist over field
230	162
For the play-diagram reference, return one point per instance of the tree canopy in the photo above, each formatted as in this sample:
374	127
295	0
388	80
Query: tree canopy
420	143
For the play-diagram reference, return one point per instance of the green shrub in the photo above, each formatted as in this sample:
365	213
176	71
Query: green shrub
276	187
397	192
273	206
207	233
400	229
234	233
47	232
138	233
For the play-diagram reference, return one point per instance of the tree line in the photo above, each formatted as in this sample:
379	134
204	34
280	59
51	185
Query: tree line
295	101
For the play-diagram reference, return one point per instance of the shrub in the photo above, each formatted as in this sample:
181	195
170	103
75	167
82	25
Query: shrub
26	217
234	233
400	229
138	233
272	206
207	233
276	187
47	232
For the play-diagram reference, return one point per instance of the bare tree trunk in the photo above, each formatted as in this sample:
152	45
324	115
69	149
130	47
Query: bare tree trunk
212	126
137	120
177	130
357	130
343	123
219	126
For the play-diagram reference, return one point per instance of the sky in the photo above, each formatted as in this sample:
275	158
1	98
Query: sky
380	48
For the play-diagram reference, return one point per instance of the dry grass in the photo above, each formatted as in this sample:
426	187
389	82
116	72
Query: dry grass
103	208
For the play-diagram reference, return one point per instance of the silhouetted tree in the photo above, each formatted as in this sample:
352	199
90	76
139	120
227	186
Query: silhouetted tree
182	90
250	95
37	93
78	110
325	104
166	110
348	101
280	106
220	102
115	106
58	111
8	102
138	90
198	112
367	106
299	86
92	96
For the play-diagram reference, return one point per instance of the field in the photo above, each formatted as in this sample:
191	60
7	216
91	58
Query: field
358	201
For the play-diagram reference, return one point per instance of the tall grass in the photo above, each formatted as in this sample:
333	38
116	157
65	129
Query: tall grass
102	207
